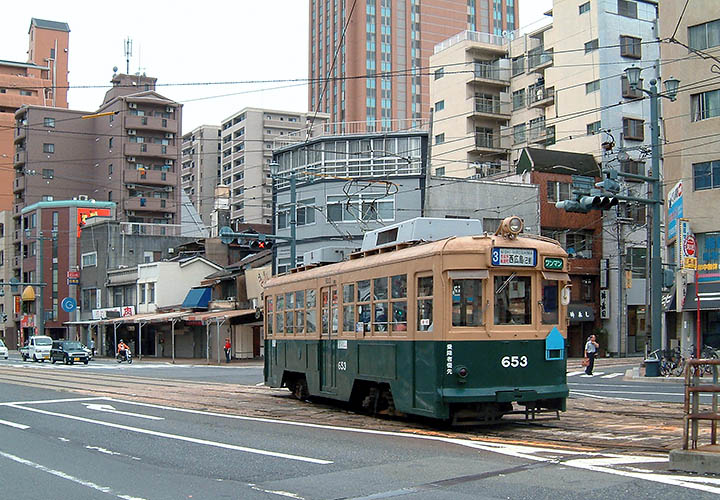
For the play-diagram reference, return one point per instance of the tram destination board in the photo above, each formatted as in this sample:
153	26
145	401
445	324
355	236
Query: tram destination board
514	257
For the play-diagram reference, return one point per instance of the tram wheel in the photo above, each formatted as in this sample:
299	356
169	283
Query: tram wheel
300	389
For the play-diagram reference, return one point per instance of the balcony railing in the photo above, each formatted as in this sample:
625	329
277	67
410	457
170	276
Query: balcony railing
142	204
484	140
149	229
491	106
491	72
541	96
151	177
473	36
539	57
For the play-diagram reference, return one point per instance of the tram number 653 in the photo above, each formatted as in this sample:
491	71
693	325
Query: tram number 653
514	361
342	366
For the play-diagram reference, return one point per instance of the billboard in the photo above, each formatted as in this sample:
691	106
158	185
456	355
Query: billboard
674	211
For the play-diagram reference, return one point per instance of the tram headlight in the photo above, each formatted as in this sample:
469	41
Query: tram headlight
510	227
462	374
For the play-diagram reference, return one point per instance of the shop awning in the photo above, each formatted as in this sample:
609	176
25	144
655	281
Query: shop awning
580	312
197	298
709	294
211	317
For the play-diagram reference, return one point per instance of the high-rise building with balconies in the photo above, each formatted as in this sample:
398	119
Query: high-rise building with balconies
200	168
126	152
42	81
370	62
248	139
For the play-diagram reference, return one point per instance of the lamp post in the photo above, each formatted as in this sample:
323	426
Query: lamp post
671	86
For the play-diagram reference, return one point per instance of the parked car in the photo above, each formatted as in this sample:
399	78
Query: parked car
3	350
68	351
37	348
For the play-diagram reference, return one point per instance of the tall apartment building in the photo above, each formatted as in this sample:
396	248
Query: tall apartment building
691	165
566	92
128	153
42	80
370	64
200	173
248	138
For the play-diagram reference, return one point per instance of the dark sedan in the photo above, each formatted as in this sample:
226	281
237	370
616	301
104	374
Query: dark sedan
68	351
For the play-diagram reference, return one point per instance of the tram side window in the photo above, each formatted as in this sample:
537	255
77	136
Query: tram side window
363	304
270	316
550	291
348	308
300	312
398	286
311	312
425	304
512	300
279	318
334	312
467	304
380	305
289	312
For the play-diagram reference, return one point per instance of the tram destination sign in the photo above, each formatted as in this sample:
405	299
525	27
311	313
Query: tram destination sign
525	257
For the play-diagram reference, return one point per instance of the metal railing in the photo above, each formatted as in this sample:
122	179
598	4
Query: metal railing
695	411
540	94
472	36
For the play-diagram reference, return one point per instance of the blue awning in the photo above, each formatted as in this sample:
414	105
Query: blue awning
197	298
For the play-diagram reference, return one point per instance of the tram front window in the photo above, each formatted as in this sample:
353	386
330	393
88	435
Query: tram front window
467	303
512	300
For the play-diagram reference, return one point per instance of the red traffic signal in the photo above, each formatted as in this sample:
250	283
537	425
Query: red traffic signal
261	244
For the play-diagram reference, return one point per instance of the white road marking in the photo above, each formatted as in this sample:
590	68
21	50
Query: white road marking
612	375
110	452
47	401
13	424
277	492
512	450
111	409
588	395
572	374
597	374
177	436
63	475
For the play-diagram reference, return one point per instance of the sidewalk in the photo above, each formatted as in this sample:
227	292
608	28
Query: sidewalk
636	372
178	361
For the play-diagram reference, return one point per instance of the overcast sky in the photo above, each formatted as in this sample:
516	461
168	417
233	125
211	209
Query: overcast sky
261	46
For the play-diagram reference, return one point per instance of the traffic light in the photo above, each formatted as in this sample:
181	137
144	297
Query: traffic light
261	243
3	317
599	201
571	206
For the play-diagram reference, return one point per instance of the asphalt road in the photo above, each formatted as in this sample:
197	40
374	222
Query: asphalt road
56	444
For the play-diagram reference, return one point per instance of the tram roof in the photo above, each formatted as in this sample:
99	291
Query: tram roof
454	245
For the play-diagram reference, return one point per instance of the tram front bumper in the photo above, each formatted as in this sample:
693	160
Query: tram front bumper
502	394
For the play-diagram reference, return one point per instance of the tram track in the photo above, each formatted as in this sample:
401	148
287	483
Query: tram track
589	424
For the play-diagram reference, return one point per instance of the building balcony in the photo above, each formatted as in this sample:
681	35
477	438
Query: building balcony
155	177
20	133
20	158
168	125
537	135
541	97
539	59
142	204
19	184
490	75
135	149
490	143
491	108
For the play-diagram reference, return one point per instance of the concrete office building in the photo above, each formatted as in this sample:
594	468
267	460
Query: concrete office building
691	168
248	138
387	37
42	80
200	173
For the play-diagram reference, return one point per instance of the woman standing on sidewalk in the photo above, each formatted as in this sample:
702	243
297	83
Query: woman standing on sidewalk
591	349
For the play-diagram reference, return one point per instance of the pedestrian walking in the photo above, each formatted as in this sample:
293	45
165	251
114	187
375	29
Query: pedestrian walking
591	350
228	347
92	346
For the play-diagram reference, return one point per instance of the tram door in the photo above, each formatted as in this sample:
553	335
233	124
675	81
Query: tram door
328	338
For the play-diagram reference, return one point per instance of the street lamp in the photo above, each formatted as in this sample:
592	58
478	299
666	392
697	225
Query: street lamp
671	87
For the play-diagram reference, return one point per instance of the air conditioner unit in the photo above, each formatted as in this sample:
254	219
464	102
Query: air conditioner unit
130	213
82	197
168	188
168	216
131	159
131	132
132	105
169	135
168	109
231	299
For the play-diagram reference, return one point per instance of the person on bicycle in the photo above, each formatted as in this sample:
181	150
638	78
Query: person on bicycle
123	349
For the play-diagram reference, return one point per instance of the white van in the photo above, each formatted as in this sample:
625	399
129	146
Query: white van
37	348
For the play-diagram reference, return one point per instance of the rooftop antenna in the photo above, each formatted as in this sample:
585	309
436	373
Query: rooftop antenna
128	53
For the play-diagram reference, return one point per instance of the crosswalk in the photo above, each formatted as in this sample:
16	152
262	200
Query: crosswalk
581	373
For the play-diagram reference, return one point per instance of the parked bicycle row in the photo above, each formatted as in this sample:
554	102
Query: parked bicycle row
673	361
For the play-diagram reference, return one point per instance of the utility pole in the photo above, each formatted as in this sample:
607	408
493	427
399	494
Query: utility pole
671	85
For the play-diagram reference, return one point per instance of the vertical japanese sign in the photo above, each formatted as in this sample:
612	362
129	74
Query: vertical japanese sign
686	246
674	211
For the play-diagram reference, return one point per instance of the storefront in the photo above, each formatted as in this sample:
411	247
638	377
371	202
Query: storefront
581	322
